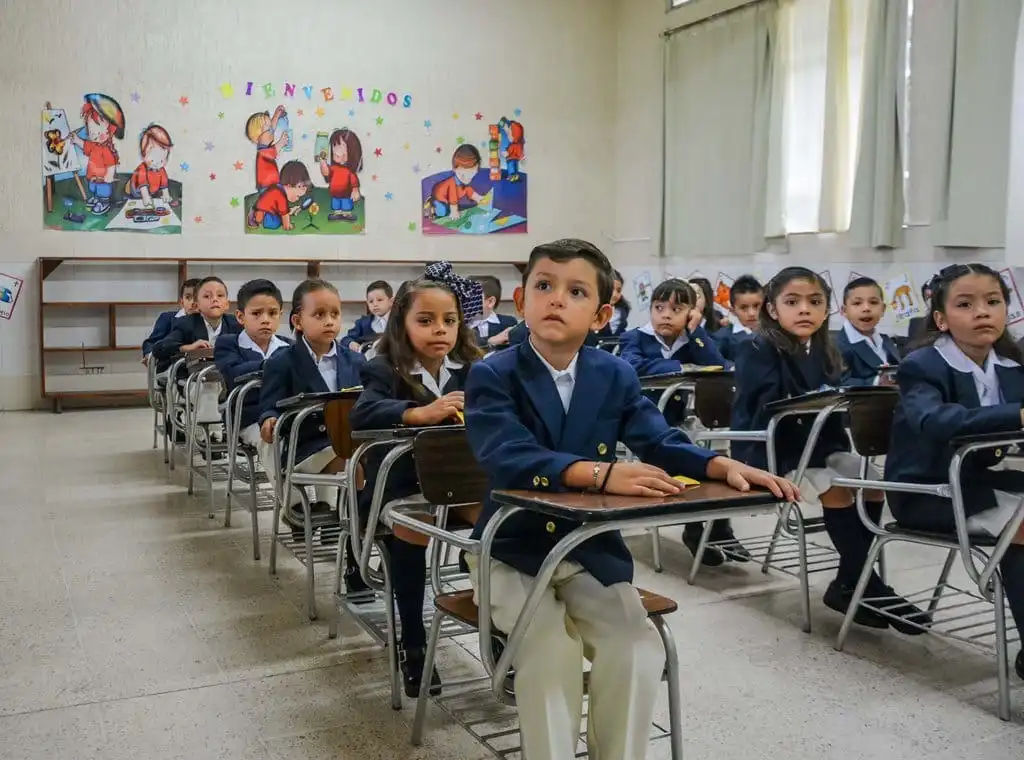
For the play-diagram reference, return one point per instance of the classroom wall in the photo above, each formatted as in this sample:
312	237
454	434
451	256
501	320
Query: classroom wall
632	234
552	60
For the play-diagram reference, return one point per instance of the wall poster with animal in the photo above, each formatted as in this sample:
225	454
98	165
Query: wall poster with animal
88	182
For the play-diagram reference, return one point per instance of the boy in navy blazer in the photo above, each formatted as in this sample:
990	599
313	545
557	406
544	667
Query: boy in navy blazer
547	415
745	298
164	322
864	349
379	297
200	330
492	329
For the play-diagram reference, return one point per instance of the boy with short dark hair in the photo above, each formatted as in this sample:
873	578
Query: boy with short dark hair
188	304
491	328
548	415
274	207
379	297
745	299
865	351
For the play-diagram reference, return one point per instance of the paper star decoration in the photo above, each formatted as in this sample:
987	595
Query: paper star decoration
212	176
378	152
199	220
239	165
478	116
455	116
412	226
220	114
135	97
305	135
184	166
437	149
183	100
415	168
320	111
428	124
227	90
208	145
517	112
352	113
460	140
405	146
300	112
380	120
388	195
373	177
235	202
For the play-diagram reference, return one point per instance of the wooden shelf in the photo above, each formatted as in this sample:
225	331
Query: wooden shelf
108	304
134	393
88	349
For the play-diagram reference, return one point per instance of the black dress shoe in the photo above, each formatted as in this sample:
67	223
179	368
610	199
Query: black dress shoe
906	613
1019	665
691	539
722	535
356	590
838	598
322	516
411	662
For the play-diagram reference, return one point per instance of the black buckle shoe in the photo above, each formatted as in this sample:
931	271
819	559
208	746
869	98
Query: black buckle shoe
691	540
722	535
909	618
356	590
411	663
838	597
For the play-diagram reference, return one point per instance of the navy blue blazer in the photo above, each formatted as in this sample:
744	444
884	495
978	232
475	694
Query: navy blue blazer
861	361
520	333
291	371
607	331
523	439
186	330
504	323
161	328
765	374
938	403
643	352
233	361
386	396
362	331
728	341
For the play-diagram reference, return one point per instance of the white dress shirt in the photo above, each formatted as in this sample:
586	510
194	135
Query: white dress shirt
213	332
483	325
379	324
436	386
874	340
739	327
667	351
565	379
326	364
244	341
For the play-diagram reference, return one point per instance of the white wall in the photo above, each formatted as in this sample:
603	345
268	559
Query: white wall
633	237
554	60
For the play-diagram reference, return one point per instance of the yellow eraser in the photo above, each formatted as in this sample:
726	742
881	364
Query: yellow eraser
686	481
461	416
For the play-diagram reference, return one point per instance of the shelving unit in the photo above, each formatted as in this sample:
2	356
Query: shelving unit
90	339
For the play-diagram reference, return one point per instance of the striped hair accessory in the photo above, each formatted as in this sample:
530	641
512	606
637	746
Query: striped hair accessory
469	293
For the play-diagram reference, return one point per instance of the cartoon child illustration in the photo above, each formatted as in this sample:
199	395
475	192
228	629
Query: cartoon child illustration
446	194
150	177
342	173
260	128
274	209
516	149
104	120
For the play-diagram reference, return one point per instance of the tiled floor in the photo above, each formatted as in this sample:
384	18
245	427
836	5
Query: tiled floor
132	626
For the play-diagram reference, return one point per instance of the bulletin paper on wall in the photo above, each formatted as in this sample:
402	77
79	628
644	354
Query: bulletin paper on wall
1014	311
10	289
903	298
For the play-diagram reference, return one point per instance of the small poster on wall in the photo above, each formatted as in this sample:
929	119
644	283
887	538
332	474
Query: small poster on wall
722	288
10	288
903	298
833	304
1014	309
642	290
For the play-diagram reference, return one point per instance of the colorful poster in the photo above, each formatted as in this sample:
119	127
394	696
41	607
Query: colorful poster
722	288
286	200
903	298
86	182
10	288
833	303
1014	310
467	199
642	290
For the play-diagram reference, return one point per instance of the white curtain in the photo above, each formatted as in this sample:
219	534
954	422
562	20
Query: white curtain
718	81
876	219
970	206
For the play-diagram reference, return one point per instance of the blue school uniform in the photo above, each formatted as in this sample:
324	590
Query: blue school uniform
617	324
189	329
293	370
728	339
863	356
364	329
524	438
765	374
939	400
161	328
238	355
645	352
485	329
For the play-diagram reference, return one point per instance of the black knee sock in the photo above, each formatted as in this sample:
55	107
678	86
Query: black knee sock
351	562
851	540
408	578
1012	569
874	510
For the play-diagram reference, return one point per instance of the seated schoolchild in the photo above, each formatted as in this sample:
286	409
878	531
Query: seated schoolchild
162	326
710	318
417	379
745	298
491	328
968	381
791	355
316	363
547	415
620	311
379	297
864	349
259	305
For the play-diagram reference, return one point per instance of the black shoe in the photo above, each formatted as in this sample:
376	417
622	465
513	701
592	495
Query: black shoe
691	539
838	597
411	663
356	590
1019	665
722	535
323	516
906	613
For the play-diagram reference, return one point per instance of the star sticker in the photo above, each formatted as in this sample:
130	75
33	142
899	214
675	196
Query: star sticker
378	152
415	168
135	97
412	226
183	100
517	112
235	202
208	145
380	120
478	116
405	146
239	165
373	177
199	220
305	135
388	195
300	112
460	140
320	111
220	114
483	143
428	124
437	149
227	90
212	176
352	113
184	166
455	116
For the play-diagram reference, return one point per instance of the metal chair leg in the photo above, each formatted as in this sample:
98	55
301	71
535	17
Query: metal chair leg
1002	653
274	529
805	580
254	512
933	603
209	475
656	549
389	609
156	420
775	538
858	591
428	668
702	546
675	701
310	573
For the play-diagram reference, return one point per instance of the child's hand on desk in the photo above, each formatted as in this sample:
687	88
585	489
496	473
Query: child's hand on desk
197	345
267	429
501	339
639	479
439	410
741	477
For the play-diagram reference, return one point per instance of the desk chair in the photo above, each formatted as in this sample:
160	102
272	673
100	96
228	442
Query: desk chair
156	397
202	370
